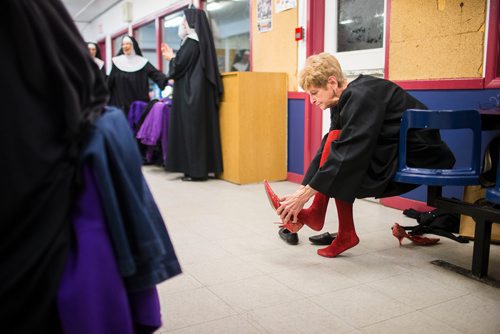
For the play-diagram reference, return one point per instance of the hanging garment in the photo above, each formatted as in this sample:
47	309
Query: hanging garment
153	131
143	250
92	296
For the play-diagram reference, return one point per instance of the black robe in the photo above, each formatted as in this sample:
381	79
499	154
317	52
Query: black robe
127	87
48	103
193	136
363	161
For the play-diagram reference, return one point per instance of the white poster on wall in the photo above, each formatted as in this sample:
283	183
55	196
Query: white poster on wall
264	15
282	5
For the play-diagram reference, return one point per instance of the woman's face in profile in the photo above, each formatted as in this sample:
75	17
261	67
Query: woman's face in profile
323	97
127	47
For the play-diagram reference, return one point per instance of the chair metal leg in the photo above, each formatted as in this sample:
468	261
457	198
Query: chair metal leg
433	193
481	254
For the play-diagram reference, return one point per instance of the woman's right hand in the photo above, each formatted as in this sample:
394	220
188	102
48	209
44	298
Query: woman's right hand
291	205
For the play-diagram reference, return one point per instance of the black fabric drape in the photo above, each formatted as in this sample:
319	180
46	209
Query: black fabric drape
51	91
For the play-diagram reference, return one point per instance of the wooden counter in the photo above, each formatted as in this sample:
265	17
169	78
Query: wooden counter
253	125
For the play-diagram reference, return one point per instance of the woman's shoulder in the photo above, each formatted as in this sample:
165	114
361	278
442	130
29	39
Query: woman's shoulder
366	85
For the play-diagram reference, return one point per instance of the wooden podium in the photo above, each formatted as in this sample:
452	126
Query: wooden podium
253	126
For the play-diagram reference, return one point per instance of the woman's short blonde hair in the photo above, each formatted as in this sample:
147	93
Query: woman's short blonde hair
318	69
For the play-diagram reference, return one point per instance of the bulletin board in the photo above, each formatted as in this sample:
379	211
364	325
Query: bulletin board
441	39
276	50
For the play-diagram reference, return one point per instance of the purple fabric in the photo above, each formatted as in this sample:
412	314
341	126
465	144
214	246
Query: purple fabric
92	297
154	128
166	124
135	112
151	129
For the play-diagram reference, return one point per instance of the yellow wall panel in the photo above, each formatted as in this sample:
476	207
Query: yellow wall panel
276	50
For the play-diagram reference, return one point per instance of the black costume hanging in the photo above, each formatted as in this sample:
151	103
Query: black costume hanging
194	146
51	92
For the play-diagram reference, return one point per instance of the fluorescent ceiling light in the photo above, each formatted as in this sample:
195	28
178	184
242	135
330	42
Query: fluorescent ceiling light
173	22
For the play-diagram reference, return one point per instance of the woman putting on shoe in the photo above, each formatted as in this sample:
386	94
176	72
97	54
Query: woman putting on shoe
358	157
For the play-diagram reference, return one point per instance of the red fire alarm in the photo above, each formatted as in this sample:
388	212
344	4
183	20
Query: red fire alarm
299	33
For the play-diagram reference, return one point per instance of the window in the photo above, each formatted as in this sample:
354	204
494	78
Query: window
360	25
354	33
146	38
231	29
170	33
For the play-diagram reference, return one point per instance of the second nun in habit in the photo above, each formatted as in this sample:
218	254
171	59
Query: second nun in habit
96	56
128	79
193	137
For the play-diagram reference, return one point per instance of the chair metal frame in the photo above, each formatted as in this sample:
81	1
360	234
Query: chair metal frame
435	179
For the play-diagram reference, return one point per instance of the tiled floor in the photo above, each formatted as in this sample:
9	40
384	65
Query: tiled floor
240	277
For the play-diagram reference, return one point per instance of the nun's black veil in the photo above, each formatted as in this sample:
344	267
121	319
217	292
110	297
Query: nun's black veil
51	91
197	19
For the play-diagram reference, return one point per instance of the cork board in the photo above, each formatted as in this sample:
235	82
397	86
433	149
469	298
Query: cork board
276	50
439	39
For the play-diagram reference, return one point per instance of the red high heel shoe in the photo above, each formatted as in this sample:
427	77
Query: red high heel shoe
274	200
400	233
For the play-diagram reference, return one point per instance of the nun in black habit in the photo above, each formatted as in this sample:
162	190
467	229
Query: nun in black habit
96	55
50	101
193	136
128	79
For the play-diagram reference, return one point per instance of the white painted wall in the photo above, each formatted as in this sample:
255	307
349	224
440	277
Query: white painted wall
113	20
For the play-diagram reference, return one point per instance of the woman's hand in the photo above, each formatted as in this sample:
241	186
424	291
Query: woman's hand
292	204
167	52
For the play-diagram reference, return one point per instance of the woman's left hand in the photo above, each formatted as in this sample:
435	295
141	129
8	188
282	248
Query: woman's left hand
167	52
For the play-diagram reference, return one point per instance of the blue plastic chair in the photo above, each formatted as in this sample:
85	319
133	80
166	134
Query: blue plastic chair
440	119
493	193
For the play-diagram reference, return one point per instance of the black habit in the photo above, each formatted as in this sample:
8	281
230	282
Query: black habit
193	137
51	92
363	161
126	86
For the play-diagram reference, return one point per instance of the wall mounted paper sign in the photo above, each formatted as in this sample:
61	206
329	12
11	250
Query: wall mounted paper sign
264	15
281	5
